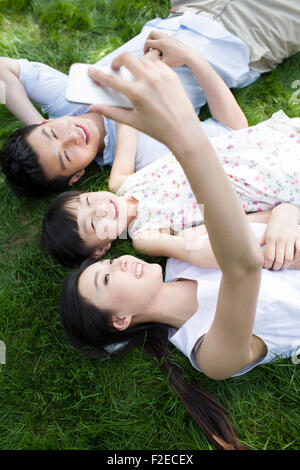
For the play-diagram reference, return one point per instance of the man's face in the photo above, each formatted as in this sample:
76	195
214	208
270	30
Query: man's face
66	146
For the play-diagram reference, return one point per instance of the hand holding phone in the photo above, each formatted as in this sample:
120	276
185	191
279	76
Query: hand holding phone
82	89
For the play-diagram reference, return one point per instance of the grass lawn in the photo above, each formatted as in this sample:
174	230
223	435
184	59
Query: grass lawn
51	396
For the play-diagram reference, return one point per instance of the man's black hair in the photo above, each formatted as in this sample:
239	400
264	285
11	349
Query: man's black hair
23	172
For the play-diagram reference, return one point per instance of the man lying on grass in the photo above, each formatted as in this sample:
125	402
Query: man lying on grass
48	155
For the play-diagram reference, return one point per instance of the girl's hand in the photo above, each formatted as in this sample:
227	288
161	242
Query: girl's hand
282	238
174	53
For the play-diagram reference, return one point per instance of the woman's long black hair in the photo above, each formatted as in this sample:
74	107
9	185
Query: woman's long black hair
91	332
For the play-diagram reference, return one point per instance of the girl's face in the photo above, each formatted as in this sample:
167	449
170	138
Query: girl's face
101	218
123	285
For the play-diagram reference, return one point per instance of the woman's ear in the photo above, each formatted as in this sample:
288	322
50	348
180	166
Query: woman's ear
100	250
76	177
121	321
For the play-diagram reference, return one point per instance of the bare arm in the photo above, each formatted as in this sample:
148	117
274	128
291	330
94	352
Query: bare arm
124	161
222	104
17	100
157	95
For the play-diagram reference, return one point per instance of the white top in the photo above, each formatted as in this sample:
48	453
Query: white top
225	52
277	320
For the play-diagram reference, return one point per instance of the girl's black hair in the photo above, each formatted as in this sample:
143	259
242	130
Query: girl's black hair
91	332
60	235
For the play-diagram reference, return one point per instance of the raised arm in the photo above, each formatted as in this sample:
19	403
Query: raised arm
162	109
222	104
16	99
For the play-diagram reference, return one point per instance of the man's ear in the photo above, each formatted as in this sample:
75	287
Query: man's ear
121	321
76	177
100	250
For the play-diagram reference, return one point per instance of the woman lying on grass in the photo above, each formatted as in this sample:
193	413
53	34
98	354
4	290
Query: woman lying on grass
220	319
156	205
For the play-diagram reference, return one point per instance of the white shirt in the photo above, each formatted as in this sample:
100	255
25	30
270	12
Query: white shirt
277	320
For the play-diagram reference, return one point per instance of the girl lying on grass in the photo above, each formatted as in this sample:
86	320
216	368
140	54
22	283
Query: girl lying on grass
221	319
156	204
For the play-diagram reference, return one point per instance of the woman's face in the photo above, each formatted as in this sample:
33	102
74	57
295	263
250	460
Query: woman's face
101	217
123	285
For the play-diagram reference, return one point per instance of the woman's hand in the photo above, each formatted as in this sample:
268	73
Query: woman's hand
174	53
282	238
161	107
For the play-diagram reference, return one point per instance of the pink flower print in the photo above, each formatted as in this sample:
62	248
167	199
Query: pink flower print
174	182
166	217
195	205
226	161
236	164
184	221
184	182
181	212
170	171
158	212
249	131
275	191
177	195
246	184
277	204
244	206
153	174
164	166
158	176
172	221
292	136
229	147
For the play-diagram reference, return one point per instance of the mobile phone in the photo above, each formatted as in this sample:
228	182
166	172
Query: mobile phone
82	89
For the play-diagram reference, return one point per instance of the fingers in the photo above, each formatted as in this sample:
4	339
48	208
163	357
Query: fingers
151	44
281	254
132	63
124	115
115	82
289	255
152	54
269	254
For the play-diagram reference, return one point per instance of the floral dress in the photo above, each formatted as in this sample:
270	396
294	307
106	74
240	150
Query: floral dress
262	162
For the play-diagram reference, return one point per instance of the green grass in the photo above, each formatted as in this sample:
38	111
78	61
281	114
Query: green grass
53	397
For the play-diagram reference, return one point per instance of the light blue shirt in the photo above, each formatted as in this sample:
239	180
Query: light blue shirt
224	51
